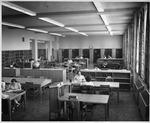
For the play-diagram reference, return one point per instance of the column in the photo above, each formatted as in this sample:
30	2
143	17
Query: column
49	50
91	55
113	53
34	49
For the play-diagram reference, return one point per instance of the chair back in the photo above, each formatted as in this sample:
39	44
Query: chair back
43	77
105	89
76	88
29	85
109	79
87	89
74	109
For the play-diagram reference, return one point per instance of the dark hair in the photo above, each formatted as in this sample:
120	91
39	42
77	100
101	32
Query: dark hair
78	71
88	78
14	80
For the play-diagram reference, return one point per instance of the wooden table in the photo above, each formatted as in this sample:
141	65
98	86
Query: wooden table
38	82
11	97
87	98
96	84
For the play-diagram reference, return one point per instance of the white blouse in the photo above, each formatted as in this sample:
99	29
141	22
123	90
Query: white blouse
79	78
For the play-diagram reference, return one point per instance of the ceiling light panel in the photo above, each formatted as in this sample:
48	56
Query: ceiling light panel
52	21
56	34
98	5
72	29
18	8
37	30
104	19
82	33
12	25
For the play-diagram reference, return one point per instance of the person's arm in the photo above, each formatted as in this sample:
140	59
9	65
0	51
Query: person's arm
19	86
83	78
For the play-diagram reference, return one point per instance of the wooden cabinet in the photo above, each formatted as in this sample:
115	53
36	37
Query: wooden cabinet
56	74
121	76
10	72
55	91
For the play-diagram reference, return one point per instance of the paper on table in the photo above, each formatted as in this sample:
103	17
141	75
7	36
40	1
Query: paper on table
10	91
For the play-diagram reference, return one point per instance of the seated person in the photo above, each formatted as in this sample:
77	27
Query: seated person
15	85
79	78
87	87
13	65
70	61
104	57
105	64
3	86
109	57
88	81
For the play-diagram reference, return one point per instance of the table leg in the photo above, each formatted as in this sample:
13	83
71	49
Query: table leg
41	94
105	112
65	108
9	108
118	95
25	101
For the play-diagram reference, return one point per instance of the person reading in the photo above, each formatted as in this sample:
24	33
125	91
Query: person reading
15	86
79	77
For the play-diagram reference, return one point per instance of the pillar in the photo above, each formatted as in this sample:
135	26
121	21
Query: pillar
49	50
34	49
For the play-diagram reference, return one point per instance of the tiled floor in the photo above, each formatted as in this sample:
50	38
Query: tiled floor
125	110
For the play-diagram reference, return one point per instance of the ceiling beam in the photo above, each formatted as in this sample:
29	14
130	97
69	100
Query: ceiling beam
79	25
75	13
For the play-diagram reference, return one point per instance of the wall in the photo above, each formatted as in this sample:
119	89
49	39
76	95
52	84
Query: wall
94	41
12	38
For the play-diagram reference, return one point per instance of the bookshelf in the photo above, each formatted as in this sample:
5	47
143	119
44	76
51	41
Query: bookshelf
121	76
15	56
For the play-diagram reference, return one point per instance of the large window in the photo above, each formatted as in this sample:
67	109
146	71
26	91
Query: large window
137	44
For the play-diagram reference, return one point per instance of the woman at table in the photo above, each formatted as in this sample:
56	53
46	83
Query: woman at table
15	86
79	77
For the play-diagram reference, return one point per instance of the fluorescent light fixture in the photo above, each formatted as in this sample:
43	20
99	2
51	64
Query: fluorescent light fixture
56	34
105	19
72	29
18	8
109	29
52	21
12	25
111	33
82	33
37	30
98	5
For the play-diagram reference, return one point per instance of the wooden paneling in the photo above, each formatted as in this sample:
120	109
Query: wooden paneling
57	75
10	72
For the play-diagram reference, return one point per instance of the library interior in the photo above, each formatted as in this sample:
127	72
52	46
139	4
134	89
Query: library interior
75	60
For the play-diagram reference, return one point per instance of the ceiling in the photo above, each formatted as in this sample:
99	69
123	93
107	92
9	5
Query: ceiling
83	16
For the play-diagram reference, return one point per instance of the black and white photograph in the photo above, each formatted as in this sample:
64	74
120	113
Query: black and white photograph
75	60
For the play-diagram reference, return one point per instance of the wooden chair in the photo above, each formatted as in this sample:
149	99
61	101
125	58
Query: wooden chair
31	90
44	87
105	89
109	79
30	76
87	89
74	107
76	88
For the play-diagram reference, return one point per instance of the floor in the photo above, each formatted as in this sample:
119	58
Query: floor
125	110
